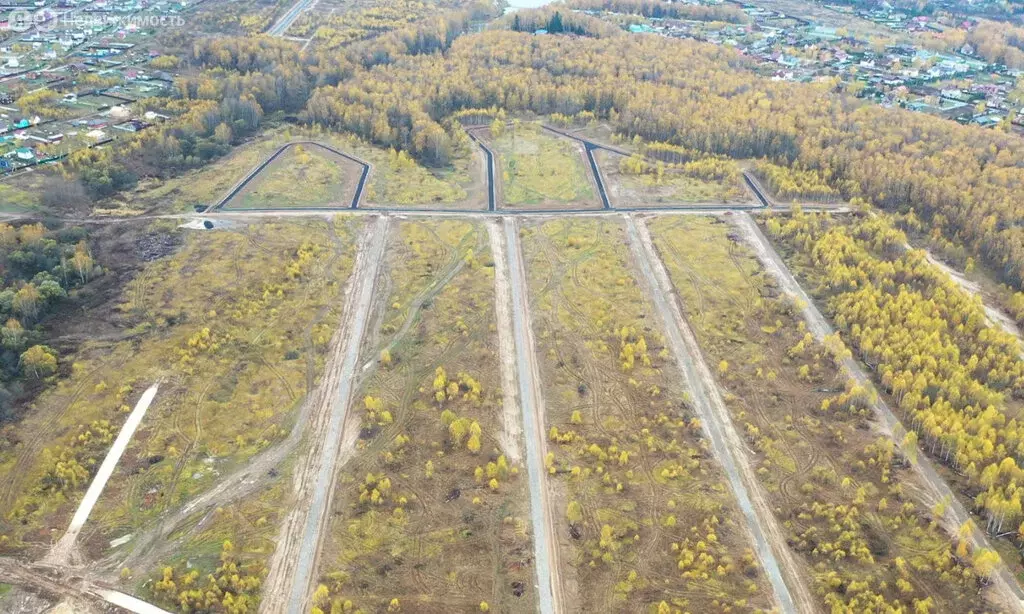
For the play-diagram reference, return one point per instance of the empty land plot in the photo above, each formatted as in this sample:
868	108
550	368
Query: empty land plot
399	181
198	188
216	553
537	169
646	515
236	323
843	495
633	181
430	515
303	175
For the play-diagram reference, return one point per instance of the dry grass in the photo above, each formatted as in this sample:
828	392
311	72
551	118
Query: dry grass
417	515
236	323
851	515
647	515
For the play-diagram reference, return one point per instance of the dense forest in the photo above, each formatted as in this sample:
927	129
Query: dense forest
39	267
957	382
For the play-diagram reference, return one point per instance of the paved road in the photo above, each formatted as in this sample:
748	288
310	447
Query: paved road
725	442
286	21
492	197
545	546
956	515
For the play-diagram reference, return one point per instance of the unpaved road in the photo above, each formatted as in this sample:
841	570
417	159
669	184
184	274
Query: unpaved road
791	591
288	586
511	429
62	551
1004	585
545	546
995	316
75	591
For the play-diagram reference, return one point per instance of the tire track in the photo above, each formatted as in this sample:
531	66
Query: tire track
545	546
789	587
294	562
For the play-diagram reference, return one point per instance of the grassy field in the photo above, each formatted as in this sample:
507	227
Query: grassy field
302	176
431	514
235	323
648	517
673	187
535	167
845	499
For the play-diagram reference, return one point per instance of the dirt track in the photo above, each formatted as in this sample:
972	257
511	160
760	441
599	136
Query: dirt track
64	550
293	564
549	580
1004	586
512	431
791	590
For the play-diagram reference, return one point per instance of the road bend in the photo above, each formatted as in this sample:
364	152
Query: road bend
768	537
545	545
936	488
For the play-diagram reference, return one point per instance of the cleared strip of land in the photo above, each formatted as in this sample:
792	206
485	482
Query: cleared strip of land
291	569
769	540
62	549
545	550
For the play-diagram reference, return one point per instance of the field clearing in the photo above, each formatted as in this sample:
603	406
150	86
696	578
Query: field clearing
399	181
673	188
430	514
235	323
536	169
647	515
304	175
393	180
850	507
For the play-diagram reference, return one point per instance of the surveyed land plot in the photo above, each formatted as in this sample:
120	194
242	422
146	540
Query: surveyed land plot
635	181
646	515
430	513
844	495
538	169
303	175
236	323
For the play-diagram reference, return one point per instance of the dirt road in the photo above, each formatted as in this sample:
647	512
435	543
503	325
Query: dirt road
791	591
288	586
511	429
62	551
545	545
77	592
1004	585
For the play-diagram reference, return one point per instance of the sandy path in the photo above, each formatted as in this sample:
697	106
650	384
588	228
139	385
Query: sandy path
288	586
995	316
1004	586
75	592
512	432
791	591
62	552
545	545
